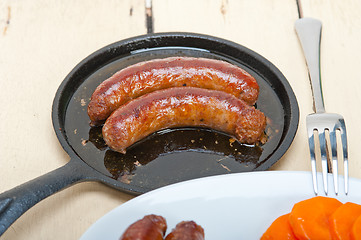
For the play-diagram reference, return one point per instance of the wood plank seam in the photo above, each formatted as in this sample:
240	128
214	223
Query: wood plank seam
149	16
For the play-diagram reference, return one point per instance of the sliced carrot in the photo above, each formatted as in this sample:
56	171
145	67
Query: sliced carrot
309	219
280	229
356	229
342	220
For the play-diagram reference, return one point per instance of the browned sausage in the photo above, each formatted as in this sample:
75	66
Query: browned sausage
151	227
182	106
145	77
186	230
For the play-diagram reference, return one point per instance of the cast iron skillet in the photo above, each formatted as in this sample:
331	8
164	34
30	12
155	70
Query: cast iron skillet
167	156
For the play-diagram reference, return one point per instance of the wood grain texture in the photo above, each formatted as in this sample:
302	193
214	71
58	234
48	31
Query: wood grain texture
41	41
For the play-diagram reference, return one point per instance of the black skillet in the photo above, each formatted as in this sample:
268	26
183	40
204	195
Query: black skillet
167	156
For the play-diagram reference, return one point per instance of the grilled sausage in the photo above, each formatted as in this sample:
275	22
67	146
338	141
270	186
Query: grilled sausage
186	230
145	77
151	227
179	107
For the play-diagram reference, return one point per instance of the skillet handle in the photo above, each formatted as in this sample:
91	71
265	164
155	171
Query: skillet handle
15	202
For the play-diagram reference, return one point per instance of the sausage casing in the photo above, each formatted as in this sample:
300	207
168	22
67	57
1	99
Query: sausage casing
141	78
186	230
151	227
179	107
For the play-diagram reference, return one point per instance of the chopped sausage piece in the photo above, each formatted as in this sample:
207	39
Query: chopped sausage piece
141	78
179	107
186	230
151	227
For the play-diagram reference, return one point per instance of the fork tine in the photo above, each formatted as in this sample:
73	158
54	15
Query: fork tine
322	139
333	142
345	153
311	143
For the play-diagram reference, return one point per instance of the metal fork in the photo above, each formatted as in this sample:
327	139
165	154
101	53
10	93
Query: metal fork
320	124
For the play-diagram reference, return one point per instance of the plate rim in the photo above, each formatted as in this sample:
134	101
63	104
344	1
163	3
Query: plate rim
298	175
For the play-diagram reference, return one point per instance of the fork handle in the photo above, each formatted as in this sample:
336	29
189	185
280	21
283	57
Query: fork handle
309	34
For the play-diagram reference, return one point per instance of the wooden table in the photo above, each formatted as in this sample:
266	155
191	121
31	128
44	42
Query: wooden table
41	41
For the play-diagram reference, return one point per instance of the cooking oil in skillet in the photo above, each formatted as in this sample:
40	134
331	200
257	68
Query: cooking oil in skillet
171	155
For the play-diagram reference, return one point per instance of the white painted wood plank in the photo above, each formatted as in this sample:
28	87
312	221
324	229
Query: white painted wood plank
40	43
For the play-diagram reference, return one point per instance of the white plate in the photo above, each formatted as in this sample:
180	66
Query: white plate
233	206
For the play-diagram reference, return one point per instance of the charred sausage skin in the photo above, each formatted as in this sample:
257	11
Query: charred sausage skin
183	106
149	76
151	227
186	230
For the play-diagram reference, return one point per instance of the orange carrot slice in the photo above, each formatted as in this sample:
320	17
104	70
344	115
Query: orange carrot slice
342	220
309	219
280	229
356	229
